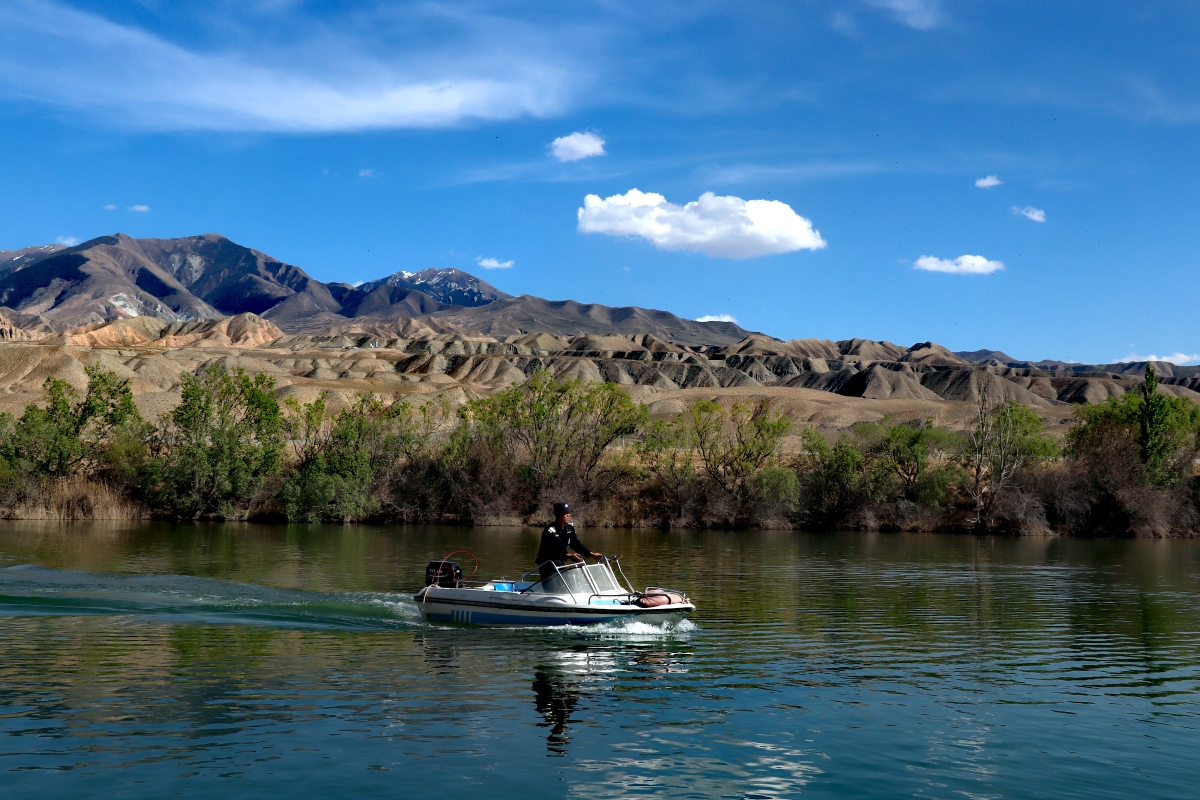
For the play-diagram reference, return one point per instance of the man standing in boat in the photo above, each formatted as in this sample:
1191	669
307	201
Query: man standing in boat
557	540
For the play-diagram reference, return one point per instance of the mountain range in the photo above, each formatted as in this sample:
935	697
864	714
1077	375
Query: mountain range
205	277
51	289
152	309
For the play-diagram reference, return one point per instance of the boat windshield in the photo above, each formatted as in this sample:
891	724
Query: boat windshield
568	580
604	579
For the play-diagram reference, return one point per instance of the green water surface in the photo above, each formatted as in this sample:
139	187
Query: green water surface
246	661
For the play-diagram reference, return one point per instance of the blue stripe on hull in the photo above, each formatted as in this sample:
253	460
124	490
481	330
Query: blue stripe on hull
475	617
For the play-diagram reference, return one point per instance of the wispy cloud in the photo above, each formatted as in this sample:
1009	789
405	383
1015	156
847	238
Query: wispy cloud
717	318
963	265
1104	89
813	170
922	15
988	182
110	207
1141	97
140	208
1179	359
722	227
1029	212
427	66
577	146
367	173
68	241
844	24
492	263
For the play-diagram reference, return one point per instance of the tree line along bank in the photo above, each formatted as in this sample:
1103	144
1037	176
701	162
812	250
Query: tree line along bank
229	450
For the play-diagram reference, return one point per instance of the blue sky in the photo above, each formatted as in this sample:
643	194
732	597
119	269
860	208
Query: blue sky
841	142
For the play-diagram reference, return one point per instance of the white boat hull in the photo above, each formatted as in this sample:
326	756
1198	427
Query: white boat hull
510	609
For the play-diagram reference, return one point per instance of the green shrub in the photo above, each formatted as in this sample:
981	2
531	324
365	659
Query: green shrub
874	466
936	484
735	444
834	479
1129	467
1165	431
905	455
214	452
666	452
70	434
774	490
1007	439
553	433
713	458
344	460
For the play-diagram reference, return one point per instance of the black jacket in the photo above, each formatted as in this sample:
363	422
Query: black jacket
555	544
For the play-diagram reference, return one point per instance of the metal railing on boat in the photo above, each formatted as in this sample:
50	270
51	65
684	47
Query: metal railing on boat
583	566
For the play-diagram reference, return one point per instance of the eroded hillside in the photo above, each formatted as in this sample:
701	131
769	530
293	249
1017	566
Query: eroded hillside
832	384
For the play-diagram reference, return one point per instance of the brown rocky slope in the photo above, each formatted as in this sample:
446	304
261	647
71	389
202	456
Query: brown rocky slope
832	384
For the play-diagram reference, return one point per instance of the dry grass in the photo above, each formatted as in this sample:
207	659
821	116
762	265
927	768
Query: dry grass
75	498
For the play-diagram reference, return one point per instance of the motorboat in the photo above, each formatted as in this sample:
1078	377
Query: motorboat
574	594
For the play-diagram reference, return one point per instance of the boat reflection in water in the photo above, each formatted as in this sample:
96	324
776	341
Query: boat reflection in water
562	679
555	697
572	668
563	682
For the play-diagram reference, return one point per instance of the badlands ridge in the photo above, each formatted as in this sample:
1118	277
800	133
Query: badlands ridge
831	384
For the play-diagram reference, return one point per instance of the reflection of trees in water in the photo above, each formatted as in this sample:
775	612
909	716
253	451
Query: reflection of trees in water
439	651
555	698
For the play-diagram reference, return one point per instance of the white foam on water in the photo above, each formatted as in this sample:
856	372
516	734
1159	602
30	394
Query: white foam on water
633	629
402	606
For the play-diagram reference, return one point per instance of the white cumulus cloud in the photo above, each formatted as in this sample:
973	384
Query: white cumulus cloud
963	265
717	318
110	207
920	14
576	146
1179	359
722	227
367	173
988	182
1029	212
492	263
140	208
68	241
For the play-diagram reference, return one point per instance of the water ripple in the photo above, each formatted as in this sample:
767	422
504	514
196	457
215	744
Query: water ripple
932	667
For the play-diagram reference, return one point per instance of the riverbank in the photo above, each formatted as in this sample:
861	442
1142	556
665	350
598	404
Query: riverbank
1051	501
229	450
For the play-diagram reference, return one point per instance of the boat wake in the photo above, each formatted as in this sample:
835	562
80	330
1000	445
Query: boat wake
28	590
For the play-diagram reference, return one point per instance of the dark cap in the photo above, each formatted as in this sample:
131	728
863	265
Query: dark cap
561	508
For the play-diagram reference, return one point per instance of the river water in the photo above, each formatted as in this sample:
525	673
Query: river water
195	660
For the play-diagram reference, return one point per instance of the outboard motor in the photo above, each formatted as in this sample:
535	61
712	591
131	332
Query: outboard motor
446	574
